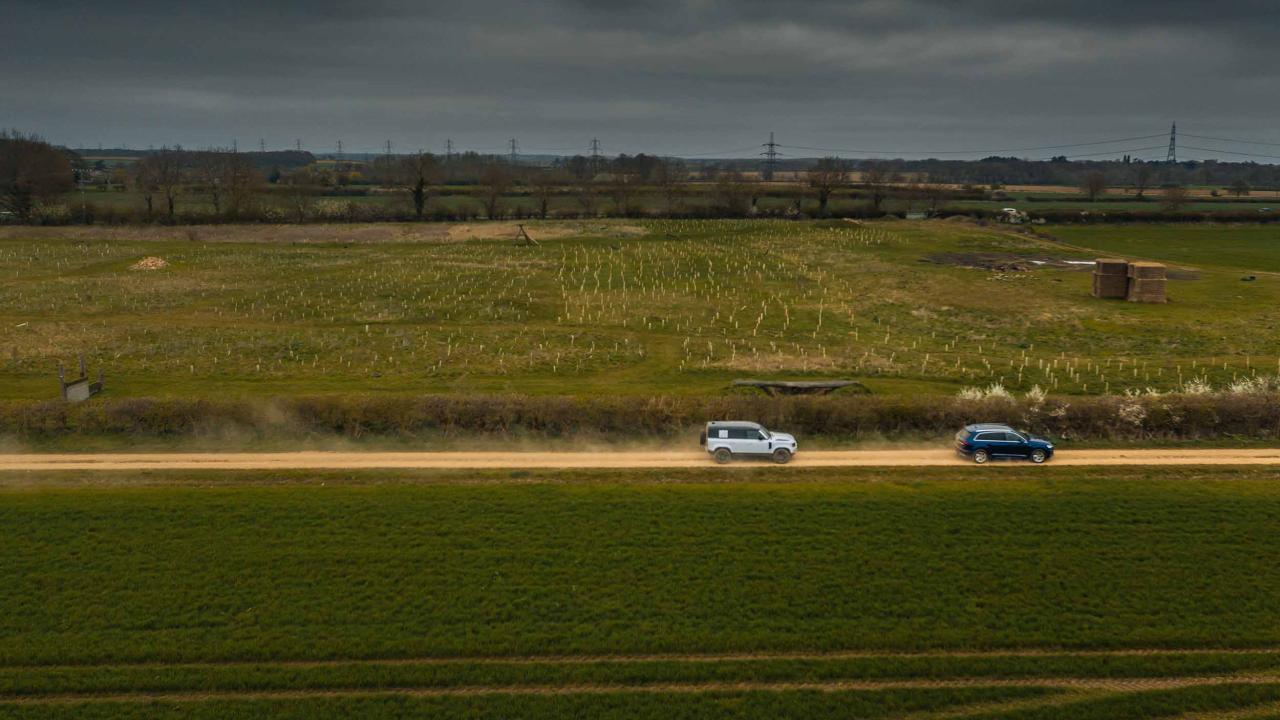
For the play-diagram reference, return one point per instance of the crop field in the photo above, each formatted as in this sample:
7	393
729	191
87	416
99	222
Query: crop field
653	307
922	593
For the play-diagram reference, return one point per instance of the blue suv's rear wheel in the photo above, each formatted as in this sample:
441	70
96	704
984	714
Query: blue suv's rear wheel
981	456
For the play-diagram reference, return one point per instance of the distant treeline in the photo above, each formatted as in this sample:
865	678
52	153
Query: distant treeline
182	186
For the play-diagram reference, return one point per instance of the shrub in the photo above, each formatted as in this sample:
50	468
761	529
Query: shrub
1135	418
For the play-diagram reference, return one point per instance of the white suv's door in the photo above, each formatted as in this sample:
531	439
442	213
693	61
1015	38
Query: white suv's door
754	442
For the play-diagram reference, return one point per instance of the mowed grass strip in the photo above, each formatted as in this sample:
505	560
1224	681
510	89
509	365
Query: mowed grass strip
658	706
944	560
258	677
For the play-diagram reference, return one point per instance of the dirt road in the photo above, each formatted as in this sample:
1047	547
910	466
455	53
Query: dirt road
627	459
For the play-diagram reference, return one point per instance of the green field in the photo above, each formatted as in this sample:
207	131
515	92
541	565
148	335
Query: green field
640	308
1233	248
867	593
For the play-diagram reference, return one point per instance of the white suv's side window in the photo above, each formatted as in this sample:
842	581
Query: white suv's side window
722	434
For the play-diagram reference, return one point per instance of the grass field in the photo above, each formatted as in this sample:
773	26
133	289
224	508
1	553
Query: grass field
1046	592
1236	248
646	308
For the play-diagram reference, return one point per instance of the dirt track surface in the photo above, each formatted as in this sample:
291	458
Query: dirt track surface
586	460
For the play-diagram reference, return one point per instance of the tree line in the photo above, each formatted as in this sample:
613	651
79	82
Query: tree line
228	186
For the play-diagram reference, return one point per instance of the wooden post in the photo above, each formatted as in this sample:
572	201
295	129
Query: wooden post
522	235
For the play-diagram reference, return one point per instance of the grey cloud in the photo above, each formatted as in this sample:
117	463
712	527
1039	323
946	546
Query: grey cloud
665	75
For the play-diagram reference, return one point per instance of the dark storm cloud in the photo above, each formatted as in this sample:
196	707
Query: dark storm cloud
670	76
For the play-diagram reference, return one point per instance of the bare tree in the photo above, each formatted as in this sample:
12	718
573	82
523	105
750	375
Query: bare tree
495	178
544	184
31	172
1142	176
876	182
670	176
206	169
825	177
1240	188
622	188
1174	199
588	196
937	195
301	187
1094	184
734	194
142	179
240	180
169	168
412	174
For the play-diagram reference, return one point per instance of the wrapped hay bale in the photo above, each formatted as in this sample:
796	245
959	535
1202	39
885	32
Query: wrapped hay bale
1148	271
1147	282
1110	286
1110	278
1110	266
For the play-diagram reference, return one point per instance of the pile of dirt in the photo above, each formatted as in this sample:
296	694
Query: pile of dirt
981	261
150	263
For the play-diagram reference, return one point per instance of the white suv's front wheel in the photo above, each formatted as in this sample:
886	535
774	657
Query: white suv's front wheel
722	455
782	456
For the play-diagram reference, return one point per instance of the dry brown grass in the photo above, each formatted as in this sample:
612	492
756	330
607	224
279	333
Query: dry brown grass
354	233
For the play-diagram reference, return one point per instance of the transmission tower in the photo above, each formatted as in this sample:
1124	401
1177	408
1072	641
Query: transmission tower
235	145
262	145
297	144
1173	144
388	148
514	149
339	150
770	158
448	150
595	156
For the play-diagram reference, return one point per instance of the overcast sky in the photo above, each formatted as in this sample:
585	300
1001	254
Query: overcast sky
694	77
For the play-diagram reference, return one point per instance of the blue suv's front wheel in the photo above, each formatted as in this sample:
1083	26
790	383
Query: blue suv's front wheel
1038	456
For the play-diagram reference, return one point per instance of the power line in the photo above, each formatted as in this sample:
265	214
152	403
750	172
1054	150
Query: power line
974	152
1111	152
1229	152
1231	140
750	148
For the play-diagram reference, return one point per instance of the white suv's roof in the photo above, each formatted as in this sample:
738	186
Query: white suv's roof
733	423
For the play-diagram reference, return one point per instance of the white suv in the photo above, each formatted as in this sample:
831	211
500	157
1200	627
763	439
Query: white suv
726	440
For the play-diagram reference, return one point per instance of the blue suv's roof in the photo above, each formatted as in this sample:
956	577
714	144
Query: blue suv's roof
976	427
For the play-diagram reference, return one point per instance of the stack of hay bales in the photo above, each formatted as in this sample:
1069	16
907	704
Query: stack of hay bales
1147	282
1110	278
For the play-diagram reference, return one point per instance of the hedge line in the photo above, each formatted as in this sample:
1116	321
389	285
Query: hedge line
1172	417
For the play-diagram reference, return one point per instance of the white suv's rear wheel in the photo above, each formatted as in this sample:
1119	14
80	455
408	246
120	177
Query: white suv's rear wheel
723	455
782	456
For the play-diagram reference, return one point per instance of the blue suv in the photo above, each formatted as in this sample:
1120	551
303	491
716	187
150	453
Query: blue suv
989	441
